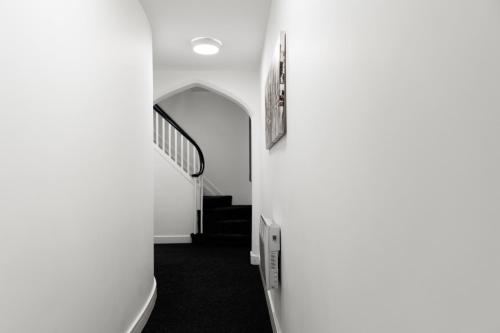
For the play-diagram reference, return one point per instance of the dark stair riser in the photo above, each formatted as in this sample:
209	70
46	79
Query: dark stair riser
223	223
222	239
229	227
240	212
210	202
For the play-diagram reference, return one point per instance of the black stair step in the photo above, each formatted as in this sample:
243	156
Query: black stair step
242	226
222	239
237	212
217	201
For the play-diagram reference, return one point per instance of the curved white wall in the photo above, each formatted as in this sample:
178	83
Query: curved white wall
76	205
174	201
387	185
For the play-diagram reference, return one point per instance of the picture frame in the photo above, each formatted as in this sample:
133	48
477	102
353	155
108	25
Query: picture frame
275	94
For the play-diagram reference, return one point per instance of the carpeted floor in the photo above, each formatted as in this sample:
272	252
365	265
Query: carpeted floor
207	289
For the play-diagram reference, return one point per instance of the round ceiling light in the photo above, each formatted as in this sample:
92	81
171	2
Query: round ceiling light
206	45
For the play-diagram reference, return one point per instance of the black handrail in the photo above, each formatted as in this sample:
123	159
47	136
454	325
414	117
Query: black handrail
172	122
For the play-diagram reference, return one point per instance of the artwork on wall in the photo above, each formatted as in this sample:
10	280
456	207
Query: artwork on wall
275	94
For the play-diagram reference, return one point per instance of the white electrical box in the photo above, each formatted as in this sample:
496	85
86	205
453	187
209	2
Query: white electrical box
270	246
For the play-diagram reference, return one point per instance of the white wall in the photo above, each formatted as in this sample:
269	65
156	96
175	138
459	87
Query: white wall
174	201
76	199
387	183
240	86
220	127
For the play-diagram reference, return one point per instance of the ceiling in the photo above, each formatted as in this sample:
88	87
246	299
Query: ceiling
239	24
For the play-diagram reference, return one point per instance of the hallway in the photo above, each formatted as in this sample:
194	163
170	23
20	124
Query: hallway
207	289
156	154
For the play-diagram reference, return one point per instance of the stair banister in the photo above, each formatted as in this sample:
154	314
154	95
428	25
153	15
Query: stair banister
181	159
176	126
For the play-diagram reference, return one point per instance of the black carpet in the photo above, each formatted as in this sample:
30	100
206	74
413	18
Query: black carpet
207	289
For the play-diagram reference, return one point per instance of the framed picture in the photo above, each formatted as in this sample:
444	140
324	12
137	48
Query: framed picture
275	94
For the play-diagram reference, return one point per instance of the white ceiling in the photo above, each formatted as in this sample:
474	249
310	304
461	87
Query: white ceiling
239	24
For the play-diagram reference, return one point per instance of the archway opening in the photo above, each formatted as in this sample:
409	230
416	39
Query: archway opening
221	125
207	86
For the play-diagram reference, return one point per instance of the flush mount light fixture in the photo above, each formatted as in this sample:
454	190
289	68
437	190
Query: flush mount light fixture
206	45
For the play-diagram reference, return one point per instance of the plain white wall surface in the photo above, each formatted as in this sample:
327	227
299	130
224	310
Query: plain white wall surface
173	200
76	204
240	86
387	185
221	129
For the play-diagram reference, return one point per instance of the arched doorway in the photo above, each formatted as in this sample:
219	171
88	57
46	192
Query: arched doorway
220	124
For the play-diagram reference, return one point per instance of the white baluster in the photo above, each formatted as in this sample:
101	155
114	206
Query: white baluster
182	151
195	224
201	203
198	161
155	120
163	133
176	147
192	159
158	130
195	162
169	140
187	157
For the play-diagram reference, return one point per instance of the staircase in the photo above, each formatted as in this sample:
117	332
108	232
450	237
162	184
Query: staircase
215	219
183	153
225	223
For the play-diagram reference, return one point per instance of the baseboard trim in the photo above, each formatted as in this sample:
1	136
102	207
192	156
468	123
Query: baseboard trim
275	324
143	316
172	239
254	258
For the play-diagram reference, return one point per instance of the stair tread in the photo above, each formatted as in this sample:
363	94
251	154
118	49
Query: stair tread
216	201
222	239
233	221
228	213
217	234
233	207
228	226
238	237
225	223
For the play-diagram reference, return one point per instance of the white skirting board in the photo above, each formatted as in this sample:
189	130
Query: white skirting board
272	313
143	316
254	258
173	239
